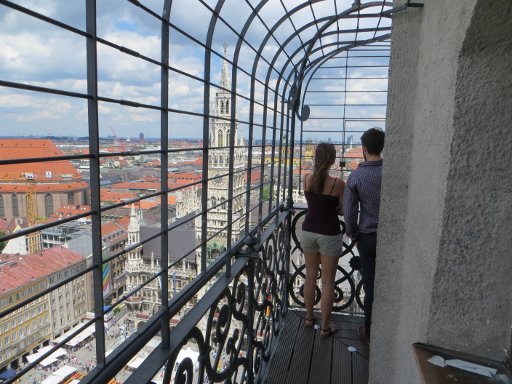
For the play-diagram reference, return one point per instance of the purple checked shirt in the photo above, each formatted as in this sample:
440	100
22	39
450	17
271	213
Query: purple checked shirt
363	189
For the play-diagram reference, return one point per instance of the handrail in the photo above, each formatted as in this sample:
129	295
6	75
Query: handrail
244	312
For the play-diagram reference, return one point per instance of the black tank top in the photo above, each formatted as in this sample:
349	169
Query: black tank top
322	216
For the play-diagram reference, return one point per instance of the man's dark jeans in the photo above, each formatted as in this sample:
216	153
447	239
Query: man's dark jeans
367	247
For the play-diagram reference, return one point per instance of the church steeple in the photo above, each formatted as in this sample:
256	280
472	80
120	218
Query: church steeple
133	227
220	128
224	78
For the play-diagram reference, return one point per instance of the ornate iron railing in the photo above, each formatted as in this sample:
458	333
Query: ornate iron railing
232	329
243	296
348	294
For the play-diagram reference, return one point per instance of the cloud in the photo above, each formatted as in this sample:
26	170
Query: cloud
37	53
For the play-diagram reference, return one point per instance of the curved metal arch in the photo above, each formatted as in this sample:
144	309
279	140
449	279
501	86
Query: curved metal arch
305	59
327	19
311	41
290	58
269	34
317	64
164	161
299	77
355	7
206	127
234	78
234	63
314	63
313	68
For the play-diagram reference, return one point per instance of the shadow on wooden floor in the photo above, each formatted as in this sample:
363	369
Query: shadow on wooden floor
302	356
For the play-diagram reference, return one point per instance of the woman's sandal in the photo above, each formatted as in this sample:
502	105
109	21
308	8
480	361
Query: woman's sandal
328	332
308	323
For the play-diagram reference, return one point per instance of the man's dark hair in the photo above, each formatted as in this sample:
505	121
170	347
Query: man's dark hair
373	140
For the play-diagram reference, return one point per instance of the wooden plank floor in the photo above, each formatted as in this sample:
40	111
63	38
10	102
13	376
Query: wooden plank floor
303	357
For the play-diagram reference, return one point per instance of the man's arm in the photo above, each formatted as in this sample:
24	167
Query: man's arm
350	208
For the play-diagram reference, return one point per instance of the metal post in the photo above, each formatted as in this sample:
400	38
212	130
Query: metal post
92	90
164	186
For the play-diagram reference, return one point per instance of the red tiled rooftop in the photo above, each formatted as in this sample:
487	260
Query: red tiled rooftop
116	196
110	227
43	172
184	176
136	185
18	270
42	187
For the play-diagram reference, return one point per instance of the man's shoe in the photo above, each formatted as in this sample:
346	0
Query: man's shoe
362	334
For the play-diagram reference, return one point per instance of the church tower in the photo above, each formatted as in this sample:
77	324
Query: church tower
134	264
218	164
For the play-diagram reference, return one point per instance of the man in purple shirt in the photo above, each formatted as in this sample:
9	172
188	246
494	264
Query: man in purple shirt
362	193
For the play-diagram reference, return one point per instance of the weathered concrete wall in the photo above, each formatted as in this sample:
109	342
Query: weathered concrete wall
441	188
473	283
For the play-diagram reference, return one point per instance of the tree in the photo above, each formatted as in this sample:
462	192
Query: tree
266	192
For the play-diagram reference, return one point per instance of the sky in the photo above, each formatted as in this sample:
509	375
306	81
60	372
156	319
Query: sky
37	53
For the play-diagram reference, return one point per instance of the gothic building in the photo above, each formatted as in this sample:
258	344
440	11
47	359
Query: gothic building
142	266
220	139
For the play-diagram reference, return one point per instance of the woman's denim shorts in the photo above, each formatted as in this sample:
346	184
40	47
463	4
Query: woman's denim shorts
329	245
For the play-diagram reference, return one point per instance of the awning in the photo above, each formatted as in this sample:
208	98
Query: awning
78	338
60	375
48	360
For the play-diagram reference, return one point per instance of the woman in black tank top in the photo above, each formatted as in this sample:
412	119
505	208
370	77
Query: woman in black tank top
321	235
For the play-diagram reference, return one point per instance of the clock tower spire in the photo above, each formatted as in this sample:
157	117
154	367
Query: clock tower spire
218	165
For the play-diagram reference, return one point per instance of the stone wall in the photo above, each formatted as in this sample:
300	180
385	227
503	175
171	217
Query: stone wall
444	265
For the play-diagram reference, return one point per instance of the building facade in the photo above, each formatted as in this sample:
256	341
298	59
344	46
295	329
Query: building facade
140	269
52	184
35	324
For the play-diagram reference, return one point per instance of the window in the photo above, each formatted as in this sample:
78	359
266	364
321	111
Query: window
71	198
48	205
2	208
221	107
220	142
15	208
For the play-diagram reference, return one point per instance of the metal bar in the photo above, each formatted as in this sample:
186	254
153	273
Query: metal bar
351	78
341	91
164	176
35	88
44	18
348	105
40	227
131	346
92	90
43	159
156	359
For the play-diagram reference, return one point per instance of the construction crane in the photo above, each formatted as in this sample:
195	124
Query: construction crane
34	237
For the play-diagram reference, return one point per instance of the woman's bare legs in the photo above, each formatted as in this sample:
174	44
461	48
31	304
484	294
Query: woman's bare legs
312	260
329	267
